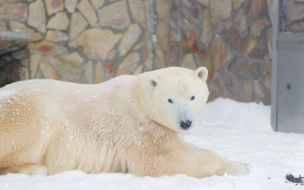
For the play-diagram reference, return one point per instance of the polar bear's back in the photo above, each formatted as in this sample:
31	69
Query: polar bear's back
55	87
75	115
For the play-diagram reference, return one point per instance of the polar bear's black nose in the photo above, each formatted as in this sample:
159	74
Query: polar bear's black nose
185	124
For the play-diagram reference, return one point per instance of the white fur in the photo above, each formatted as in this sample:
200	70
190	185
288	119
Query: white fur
123	125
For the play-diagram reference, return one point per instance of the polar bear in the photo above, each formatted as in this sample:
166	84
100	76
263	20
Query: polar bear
129	124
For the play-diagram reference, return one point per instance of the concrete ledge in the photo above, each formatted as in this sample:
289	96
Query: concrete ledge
13	40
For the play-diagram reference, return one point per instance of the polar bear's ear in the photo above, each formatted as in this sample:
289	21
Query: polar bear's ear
202	73
154	81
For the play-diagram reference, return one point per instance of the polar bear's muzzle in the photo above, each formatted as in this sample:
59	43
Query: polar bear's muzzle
185	124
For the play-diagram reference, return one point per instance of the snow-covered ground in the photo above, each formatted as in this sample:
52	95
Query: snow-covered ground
239	131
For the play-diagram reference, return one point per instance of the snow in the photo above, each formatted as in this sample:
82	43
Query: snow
239	131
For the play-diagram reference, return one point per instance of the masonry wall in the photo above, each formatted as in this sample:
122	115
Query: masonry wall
91	41
80	40
232	38
293	16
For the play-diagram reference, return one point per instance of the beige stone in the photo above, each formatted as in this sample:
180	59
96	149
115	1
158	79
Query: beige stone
267	72
129	64
3	25
129	38
259	88
207	34
53	6
204	2
97	3
138	46
149	64
20	26
137	10
294	11
59	22
189	61
56	36
37	17
47	70
247	94
159	60
72	58
221	10
37	75
238	3
163	10
99	72
258	26
34	62
14	11
47	48
65	70
96	43
70	5
85	7
119	20
163	35
78	24
269	42
240	22
89	72
220	53
138	70
148	55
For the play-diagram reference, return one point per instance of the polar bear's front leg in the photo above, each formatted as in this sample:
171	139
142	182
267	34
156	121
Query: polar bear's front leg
197	162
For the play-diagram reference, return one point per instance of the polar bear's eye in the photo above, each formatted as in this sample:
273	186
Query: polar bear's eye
193	97
169	100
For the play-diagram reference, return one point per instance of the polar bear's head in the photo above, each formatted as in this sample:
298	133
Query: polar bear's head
173	97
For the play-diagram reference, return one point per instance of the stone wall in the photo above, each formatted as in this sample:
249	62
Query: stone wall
293	16
90	41
84	41
232	38
13	67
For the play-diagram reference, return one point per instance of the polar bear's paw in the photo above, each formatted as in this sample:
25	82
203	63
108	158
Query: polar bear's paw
237	168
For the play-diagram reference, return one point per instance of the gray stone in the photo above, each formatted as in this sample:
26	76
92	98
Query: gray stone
85	7
207	34
78	24
97	3
59	22
129	39
189	61
119	20
89	72
221	10
240	22
24	53
37	17
70	5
